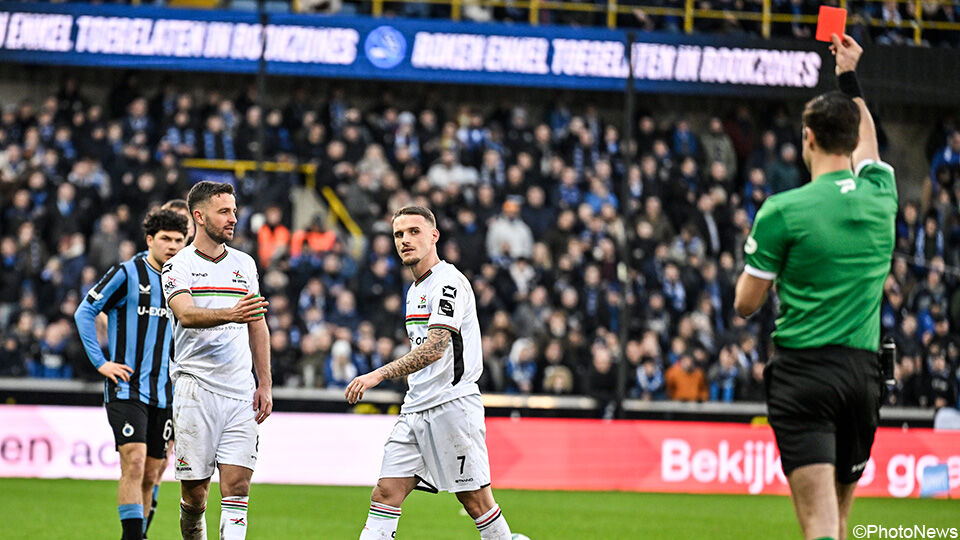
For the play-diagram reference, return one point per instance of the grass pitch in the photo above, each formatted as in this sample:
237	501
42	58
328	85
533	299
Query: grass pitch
82	509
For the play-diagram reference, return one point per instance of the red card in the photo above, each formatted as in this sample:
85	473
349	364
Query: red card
831	21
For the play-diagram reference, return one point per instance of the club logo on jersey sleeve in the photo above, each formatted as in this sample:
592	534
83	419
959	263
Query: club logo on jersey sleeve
170	284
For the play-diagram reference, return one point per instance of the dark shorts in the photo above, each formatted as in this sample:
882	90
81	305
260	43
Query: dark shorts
136	422
824	407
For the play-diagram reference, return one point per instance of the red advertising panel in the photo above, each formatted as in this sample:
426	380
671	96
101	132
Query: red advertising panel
690	457
528	453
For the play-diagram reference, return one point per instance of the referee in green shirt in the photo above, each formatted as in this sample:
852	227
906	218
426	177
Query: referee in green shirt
827	246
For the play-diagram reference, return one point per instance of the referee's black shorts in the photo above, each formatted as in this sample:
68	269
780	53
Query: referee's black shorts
824	407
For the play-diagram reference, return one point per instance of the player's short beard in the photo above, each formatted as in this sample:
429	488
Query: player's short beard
216	236
411	262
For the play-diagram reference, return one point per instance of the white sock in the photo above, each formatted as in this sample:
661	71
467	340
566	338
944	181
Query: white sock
492	525
233	518
382	520
192	524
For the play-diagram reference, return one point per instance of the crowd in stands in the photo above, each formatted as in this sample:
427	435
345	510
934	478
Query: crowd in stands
886	22
538	209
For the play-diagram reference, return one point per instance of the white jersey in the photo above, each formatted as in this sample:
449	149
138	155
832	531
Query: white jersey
443	298
219	357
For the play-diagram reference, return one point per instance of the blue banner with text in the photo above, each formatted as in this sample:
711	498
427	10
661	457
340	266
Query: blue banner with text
405	50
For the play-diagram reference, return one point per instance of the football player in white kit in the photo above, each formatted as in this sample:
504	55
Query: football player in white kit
438	442
219	333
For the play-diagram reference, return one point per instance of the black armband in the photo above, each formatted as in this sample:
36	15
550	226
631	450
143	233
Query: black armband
848	84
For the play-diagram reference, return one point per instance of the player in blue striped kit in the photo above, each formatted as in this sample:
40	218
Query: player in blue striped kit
179	206
137	392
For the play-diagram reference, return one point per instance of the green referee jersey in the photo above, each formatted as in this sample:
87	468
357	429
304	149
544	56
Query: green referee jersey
827	245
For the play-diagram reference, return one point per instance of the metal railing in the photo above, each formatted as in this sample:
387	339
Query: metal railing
612	9
690	13
241	168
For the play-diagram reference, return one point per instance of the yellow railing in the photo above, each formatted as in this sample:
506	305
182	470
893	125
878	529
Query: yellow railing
339	210
689	13
241	167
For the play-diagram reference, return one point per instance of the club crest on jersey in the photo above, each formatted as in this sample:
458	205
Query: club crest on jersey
145	289
238	278
423	301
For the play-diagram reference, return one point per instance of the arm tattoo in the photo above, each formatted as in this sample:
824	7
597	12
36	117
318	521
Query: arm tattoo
427	353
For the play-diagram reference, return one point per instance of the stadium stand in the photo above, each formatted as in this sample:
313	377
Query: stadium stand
529	202
927	23
886	22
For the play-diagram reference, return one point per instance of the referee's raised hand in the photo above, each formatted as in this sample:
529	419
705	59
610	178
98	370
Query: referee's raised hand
846	51
248	309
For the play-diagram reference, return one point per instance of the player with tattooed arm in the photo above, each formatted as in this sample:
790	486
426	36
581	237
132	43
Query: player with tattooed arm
438	443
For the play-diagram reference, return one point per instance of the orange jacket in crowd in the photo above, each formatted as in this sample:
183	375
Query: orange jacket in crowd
686	386
269	240
319	241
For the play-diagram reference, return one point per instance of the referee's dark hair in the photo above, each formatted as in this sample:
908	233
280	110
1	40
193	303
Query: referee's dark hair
415	211
835	121
203	191
164	220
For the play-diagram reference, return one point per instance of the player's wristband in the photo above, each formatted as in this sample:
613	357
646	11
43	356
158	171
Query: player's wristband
848	84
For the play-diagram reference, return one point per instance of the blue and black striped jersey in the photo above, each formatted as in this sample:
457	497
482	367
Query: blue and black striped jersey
139	328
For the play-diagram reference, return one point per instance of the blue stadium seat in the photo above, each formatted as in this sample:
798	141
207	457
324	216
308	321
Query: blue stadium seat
244	5
272	6
277	6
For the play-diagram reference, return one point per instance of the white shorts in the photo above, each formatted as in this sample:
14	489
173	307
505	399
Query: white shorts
444	447
211	429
